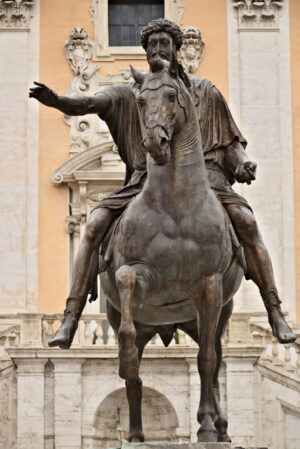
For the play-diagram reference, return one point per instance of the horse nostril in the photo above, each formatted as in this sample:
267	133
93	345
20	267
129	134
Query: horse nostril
163	141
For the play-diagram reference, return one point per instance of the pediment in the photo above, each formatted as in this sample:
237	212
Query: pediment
97	163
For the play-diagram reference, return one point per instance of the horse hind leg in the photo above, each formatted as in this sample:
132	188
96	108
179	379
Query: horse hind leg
221	422
128	353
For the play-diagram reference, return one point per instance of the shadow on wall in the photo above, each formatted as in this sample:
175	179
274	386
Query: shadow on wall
111	420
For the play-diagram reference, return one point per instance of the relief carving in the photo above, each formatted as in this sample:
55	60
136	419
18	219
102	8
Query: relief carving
15	14
192	49
73	225
258	13
78	49
88	131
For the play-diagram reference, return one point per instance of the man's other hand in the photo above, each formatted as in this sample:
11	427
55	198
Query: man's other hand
43	94
246	172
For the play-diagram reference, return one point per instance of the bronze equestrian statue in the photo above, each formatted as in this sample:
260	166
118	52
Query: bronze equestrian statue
173	262
171	243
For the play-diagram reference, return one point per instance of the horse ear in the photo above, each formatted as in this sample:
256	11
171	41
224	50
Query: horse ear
174	65
137	76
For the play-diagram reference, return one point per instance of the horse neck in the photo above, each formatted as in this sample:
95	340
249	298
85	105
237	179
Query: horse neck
185	172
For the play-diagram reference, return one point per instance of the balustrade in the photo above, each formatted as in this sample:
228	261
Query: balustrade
94	331
285	357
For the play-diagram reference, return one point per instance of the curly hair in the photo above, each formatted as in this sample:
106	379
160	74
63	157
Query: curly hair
159	25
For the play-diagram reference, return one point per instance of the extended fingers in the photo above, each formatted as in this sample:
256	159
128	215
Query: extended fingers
39	84
34	91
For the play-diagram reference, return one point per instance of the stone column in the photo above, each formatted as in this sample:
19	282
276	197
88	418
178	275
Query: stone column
30	417
194	392
67	403
240	399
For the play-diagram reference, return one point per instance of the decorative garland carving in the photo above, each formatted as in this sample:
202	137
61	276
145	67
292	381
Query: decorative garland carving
15	14
192	49
258	13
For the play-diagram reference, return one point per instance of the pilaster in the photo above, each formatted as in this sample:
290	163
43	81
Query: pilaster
259	98
67	403
240	399
30	416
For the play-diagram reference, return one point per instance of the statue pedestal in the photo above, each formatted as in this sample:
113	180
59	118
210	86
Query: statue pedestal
175	446
180	446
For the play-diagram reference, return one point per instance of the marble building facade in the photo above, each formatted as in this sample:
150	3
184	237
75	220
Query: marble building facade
74	399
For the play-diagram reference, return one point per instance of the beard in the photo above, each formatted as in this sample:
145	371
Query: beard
157	61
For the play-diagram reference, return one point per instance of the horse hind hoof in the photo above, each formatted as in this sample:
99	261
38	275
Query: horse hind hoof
221	425
224	438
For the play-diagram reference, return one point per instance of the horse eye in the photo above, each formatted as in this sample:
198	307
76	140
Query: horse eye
141	101
172	97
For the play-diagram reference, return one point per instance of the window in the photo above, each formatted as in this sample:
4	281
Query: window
119	22
128	17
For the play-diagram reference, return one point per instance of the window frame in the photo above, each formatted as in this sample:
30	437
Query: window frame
101	49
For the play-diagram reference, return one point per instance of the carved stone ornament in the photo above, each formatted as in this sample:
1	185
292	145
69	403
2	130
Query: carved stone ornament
78	50
88	131
15	14
192	49
258	13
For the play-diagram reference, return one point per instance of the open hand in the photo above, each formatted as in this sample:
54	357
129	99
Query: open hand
246	172
43	94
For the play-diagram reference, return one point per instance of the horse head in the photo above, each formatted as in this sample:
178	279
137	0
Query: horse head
164	102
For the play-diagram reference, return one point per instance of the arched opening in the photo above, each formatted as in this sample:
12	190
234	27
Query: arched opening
112	418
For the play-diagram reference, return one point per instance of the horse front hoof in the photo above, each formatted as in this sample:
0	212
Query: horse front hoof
207	435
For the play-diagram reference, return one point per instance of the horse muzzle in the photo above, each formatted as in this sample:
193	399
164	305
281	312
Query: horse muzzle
157	143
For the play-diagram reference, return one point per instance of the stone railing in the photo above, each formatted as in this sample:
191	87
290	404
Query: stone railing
94	331
244	335
275	355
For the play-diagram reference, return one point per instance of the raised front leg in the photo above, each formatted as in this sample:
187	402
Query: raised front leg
128	353
208	298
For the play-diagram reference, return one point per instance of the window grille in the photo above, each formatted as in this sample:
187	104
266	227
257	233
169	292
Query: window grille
128	17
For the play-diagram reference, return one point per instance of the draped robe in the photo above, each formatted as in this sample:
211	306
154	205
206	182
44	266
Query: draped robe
218	132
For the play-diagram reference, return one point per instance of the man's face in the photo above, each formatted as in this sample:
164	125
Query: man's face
159	47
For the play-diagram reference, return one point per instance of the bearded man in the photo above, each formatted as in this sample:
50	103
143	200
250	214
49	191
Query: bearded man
225	158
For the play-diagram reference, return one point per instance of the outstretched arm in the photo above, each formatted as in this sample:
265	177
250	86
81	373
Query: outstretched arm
80	105
237	161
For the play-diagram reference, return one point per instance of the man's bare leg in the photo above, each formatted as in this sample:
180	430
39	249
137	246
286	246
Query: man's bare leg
260	269
84	275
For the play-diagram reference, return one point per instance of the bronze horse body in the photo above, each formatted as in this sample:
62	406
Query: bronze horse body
172	263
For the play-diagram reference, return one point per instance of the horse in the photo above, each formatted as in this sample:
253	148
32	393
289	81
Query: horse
172	264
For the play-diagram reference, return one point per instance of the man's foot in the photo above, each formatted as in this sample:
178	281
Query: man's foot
281	330
63	337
